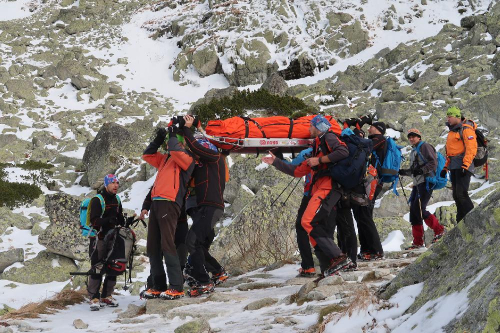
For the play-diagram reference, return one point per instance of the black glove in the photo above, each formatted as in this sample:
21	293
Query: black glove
196	122
129	220
173	130
405	172
365	120
443	173
351	121
161	134
464	172
417	172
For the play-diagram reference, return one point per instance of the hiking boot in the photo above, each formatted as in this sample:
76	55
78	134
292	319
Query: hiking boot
109	301
437	237
414	247
367	256
95	304
309	272
150	293
336	264
201	288
352	266
220	277
171	294
188	279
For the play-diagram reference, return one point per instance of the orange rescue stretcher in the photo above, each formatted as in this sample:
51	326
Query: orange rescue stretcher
243	135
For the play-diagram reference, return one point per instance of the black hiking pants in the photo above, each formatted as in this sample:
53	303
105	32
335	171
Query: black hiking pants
369	238
419	199
346	234
97	252
460	185
161	245
199	239
303	238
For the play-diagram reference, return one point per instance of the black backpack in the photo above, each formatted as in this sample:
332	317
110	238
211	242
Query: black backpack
351	171
120	246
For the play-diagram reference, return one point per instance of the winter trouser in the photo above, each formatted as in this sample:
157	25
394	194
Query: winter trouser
303	238
180	245
97	253
315	220
460	186
369	238
161	244
204	221
346	234
419	199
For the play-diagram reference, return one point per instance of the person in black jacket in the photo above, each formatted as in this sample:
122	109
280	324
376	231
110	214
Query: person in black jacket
369	239
103	222
209	183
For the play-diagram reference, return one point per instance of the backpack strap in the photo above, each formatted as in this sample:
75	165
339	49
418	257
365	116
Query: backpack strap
417	148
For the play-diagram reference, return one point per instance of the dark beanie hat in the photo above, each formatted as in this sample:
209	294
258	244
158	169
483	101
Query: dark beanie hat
380	126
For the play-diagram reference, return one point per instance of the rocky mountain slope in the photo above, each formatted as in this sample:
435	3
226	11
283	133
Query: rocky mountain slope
83	85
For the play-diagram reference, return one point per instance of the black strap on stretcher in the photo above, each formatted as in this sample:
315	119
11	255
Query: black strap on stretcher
247	129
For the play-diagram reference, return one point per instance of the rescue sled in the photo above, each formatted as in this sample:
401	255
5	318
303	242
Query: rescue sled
243	135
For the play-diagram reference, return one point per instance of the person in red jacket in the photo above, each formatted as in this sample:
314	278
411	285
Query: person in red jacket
325	194
168	196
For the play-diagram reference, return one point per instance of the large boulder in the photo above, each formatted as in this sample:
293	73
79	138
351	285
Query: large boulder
254	67
113	147
10	219
486	109
206	61
22	89
44	268
10	257
63	235
493	20
260	234
465	262
301	67
275	84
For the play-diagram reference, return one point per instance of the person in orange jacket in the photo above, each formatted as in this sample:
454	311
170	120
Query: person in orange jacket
168	195
461	148
327	148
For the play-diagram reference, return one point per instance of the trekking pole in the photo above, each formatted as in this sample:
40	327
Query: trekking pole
284	202
402	188
272	204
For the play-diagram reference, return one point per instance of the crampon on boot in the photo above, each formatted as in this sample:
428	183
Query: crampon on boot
201	288
307	272
150	293
337	264
170	294
220	277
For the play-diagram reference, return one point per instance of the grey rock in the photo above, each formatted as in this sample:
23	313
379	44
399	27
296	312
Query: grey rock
206	61
486	109
393	96
389	25
194	326
261	303
21	88
214	94
158	306
122	61
331	281
495	66
315	295
258	285
79	324
79	82
113	147
44	268
457	77
275	84
306	289
63	235
301	67
10	257
10	219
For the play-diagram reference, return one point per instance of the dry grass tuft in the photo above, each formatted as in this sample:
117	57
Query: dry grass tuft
49	306
361	300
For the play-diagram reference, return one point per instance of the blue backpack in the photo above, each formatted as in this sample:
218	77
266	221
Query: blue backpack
436	182
350	171
389	170
85	224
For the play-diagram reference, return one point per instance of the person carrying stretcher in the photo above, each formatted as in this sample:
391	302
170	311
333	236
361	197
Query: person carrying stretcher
325	194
